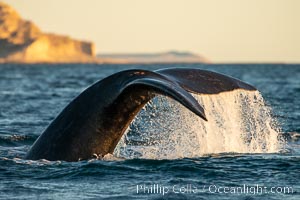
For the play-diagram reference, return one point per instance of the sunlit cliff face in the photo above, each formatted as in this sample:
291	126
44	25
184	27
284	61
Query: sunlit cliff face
22	41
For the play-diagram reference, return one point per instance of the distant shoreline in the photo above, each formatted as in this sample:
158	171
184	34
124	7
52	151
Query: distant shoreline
160	57
143	58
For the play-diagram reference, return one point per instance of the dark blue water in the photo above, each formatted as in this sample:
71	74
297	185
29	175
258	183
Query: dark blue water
32	95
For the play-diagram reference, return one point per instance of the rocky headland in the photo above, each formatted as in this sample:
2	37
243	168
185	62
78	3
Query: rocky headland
22	41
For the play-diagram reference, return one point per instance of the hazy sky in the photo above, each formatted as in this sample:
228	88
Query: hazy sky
221	30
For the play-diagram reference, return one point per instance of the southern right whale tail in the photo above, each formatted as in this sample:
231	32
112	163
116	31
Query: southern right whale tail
94	122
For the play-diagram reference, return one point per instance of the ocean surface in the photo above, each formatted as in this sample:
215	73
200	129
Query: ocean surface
32	96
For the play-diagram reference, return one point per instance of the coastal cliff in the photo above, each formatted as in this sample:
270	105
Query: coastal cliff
22	41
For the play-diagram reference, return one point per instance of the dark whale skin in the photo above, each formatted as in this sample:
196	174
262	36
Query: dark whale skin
93	123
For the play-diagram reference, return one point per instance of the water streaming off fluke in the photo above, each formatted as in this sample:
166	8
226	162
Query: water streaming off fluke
238	121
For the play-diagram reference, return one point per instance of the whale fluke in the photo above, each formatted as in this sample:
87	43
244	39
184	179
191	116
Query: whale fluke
94	122
203	81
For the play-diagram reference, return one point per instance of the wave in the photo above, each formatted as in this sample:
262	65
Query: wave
16	140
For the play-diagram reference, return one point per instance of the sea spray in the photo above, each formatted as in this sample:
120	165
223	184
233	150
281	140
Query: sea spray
239	121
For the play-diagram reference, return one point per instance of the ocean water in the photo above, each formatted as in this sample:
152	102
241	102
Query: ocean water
249	149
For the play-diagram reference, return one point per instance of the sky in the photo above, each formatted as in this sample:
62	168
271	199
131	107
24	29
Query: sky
220	30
